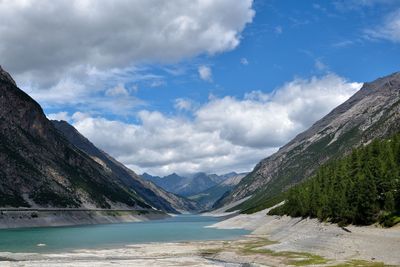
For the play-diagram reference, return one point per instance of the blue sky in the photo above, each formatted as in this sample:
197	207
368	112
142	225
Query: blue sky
199	85
288	39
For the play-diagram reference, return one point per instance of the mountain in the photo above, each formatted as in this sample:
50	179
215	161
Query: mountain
373	112
197	183
41	168
169	183
188	185
220	178
151	193
208	197
361	188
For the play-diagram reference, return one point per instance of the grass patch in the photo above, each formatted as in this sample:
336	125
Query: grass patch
302	258
361	263
390	220
255	246
290	257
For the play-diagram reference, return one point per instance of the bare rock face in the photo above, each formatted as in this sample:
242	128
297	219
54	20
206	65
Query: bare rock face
373	112
6	77
41	168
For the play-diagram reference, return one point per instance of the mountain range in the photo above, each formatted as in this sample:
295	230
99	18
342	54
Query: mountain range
188	185
207	198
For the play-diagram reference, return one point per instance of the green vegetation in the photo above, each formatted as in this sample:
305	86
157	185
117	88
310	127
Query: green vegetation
289	257
299	164
361	263
46	196
262	203
12	200
362	188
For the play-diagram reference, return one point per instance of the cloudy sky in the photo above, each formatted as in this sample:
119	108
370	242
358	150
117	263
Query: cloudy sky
201	85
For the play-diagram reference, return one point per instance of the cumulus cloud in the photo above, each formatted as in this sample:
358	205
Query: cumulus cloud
205	73
113	34
221	135
389	30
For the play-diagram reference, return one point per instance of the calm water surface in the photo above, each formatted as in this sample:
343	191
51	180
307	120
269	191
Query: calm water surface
179	228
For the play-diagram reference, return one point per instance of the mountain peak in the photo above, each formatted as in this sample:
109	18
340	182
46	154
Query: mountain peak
5	76
391	81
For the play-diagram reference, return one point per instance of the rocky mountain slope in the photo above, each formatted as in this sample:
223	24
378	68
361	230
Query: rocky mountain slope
151	193
373	112
41	168
169	183
208	197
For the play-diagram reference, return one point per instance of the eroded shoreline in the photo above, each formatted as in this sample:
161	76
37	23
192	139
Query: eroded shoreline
23	218
274	241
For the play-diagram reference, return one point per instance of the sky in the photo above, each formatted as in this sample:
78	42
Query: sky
201	85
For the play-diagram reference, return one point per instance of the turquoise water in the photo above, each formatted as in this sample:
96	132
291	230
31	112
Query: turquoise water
179	228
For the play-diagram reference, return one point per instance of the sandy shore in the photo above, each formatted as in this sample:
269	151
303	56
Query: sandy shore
275	241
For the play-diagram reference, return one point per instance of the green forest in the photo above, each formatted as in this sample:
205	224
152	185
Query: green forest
362	188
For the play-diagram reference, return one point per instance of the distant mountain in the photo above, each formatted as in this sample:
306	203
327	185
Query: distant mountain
373	112
170	183
151	193
220	178
41	168
189	185
208	197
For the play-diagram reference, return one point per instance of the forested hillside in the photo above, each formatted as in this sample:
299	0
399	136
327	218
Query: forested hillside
372	113
361	188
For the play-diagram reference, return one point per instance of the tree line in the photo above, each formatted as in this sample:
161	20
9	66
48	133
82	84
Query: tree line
361	188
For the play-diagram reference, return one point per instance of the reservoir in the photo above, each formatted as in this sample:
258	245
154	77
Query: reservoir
60	239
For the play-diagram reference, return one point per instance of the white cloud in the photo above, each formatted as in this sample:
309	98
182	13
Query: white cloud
59	116
183	104
389	30
205	73
118	90
244	61
278	29
319	65
224	134
102	91
345	5
113	34
91	46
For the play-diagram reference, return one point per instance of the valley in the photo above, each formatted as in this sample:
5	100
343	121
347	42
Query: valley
253	237
200	133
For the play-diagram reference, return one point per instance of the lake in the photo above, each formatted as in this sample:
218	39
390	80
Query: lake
177	228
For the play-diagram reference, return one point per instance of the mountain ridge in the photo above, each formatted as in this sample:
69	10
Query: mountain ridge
188	185
370	113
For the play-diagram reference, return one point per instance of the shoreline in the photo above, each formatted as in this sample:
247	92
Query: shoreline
274	241
32	218
368	243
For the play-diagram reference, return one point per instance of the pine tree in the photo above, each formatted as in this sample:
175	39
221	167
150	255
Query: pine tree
355	189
